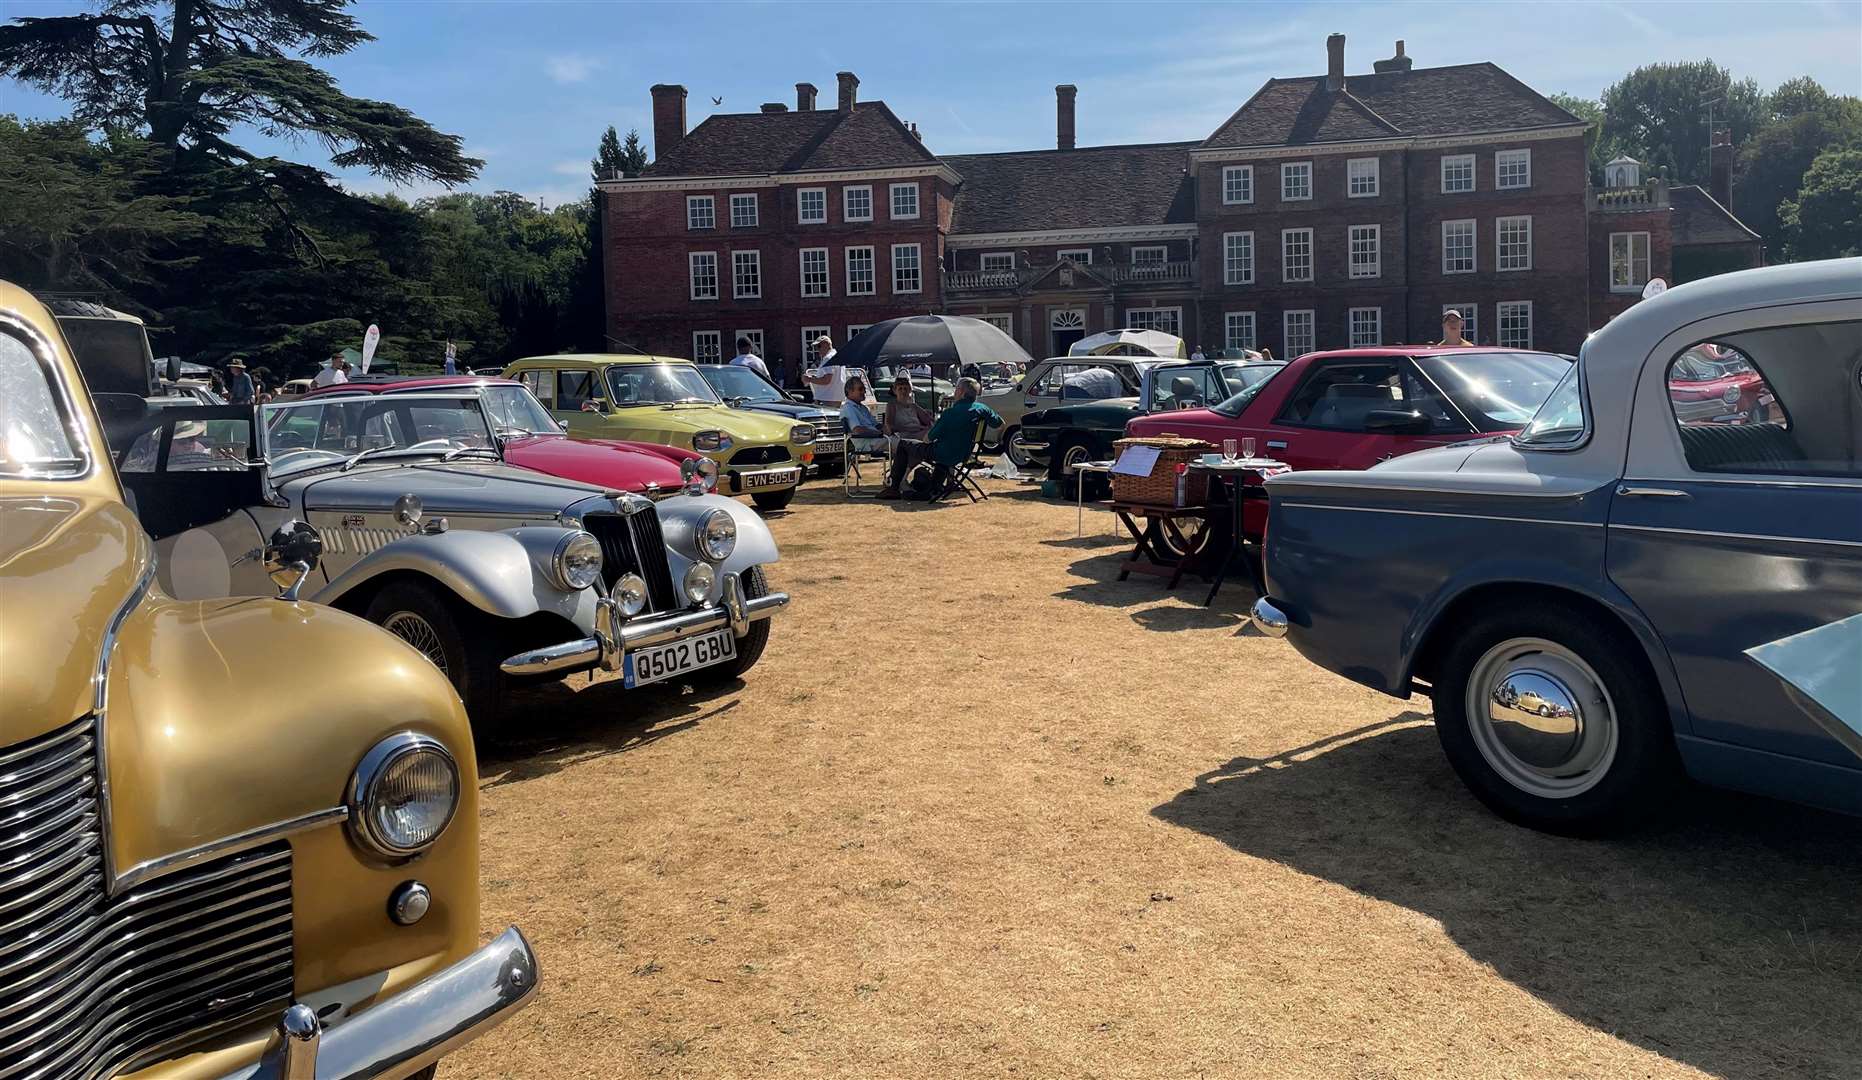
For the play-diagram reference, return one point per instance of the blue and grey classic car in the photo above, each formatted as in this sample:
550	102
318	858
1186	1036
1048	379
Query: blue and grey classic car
495	573
1626	590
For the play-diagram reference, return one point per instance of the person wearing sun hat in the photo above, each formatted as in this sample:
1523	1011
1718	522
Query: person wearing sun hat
1451	331
238	383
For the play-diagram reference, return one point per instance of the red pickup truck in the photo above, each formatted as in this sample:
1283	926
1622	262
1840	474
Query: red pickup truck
1352	408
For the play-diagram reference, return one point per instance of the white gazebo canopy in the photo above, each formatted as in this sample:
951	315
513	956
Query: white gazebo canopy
1131	343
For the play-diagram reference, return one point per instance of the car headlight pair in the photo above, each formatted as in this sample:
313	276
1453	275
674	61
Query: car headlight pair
711	441
577	563
402	796
802	434
699	475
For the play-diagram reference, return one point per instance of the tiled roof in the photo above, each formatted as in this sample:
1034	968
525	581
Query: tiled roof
738	144
1698	218
1096	187
1464	98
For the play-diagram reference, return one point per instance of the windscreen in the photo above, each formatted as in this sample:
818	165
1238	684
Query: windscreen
113	354
740	382
658	384
1498	391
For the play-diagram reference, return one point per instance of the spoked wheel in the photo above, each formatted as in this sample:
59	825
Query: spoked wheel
1550	718
413	628
462	642
1168	538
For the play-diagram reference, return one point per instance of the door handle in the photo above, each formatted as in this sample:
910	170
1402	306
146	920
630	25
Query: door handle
1276	444
1630	492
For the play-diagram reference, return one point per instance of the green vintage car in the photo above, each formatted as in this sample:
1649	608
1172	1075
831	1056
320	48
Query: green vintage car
1061	436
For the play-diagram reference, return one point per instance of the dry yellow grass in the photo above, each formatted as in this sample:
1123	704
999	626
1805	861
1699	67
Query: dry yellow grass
983	812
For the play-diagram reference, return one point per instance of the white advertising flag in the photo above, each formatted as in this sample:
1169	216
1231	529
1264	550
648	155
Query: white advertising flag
369	341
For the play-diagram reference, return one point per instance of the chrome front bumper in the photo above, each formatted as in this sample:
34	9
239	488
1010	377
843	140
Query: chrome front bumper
614	635
409	1031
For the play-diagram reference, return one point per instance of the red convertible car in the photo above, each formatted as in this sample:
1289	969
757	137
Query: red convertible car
1352	408
532	439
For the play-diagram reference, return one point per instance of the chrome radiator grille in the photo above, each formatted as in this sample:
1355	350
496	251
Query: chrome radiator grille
634	543
829	428
89	983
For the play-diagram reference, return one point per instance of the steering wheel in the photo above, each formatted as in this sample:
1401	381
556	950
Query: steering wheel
291	440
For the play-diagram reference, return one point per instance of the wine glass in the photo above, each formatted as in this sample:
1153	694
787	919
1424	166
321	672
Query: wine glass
1247	449
1228	451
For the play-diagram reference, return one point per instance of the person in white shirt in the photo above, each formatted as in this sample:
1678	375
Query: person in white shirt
336	371
826	380
746	358
1198	354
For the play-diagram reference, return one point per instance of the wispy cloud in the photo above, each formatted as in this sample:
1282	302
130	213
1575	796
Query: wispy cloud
570	167
567	68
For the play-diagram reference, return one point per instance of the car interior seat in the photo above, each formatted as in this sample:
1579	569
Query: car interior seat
1348	405
1767	447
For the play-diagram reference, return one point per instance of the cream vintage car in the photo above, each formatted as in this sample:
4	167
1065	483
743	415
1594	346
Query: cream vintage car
238	837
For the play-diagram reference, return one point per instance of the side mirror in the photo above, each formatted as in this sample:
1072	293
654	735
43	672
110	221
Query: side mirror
1396	422
292	553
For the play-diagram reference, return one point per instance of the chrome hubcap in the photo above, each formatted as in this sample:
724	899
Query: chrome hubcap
1016	454
419	633
1542	718
1074	456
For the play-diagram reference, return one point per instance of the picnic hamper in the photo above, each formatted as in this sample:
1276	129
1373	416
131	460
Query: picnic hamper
1160	488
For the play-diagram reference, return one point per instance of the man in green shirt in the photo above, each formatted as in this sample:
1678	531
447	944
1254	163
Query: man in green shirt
949	440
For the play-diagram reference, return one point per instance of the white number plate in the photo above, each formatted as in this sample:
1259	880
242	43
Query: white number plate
827	446
778	478
658	662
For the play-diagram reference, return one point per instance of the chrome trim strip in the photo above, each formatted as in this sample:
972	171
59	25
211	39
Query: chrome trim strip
226	845
1795	481
1743	536
100	700
1437	513
76	420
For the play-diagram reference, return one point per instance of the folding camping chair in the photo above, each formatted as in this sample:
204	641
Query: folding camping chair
958	477
867	448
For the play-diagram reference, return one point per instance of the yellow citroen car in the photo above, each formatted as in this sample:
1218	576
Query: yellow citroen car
238	837
661	399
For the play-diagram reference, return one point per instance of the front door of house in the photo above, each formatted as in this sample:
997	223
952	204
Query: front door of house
1065	326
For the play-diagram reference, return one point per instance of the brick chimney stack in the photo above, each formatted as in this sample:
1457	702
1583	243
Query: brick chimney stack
668	118
1720	166
849	90
1399	62
1063	114
1335	62
804	97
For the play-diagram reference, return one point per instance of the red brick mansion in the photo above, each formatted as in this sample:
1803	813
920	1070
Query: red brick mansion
1329	210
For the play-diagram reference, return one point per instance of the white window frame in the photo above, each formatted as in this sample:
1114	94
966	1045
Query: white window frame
717	347
1470	319
1287	169
693	203
1150	320
1459	160
1503	158
1237	177
1287	235
754	263
1375	268
983	260
892	201
1083	256
846	206
1000	320
741	199
1162	250
1473	247
826	287
1499	242
1354	169
1500	317
809	334
1286	333
853	330
917	269
1629	238
1232	340
1242	275
691	276
872	270
801	210
756	342
1376	336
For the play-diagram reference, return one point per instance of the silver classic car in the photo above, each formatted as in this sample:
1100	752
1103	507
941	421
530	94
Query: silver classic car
1631	587
406	513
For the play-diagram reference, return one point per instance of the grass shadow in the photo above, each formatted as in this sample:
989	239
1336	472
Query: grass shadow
1726	936
547	728
1167	617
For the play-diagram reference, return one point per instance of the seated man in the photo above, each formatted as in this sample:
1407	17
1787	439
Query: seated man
948	442
855	415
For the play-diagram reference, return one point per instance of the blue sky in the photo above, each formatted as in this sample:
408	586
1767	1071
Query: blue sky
530	85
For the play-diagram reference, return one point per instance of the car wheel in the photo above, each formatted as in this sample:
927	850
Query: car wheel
457	639
1548	719
767	501
750	646
1069	450
833	467
1016	454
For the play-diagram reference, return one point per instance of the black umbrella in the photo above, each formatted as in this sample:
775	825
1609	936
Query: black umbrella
944	342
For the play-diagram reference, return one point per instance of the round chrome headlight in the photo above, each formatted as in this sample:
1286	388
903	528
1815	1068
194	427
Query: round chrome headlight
578	561
711	441
698	581
717	535
1730	395
403	795
631	593
802	434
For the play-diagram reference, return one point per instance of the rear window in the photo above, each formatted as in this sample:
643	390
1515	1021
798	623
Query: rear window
1784	400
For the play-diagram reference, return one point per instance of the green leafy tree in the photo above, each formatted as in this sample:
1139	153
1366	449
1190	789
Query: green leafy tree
633	152
1659	114
1825	220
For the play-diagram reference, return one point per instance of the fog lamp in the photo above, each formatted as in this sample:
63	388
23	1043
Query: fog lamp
698	582
631	594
